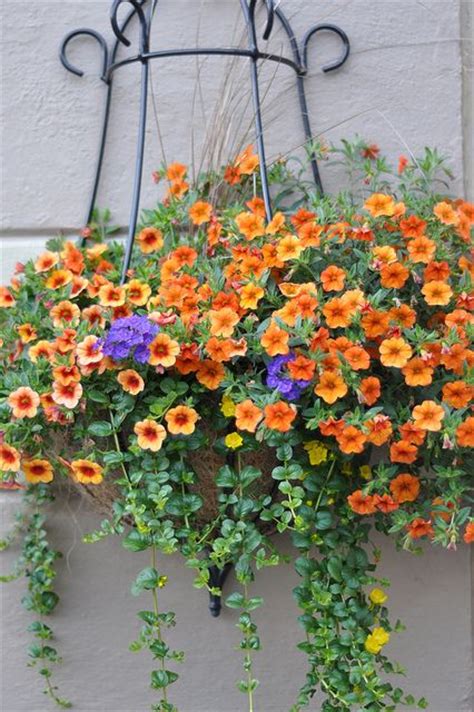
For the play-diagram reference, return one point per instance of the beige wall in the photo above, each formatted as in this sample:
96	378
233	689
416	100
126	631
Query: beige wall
402	88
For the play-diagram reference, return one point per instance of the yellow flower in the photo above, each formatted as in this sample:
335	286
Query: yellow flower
162	581
371	646
376	640
365	472
227	406
346	469
317	453
233	440
378	597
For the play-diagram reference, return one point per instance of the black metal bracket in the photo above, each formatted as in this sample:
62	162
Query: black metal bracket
217	578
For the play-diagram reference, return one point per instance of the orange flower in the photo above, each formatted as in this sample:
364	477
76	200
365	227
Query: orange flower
59	278
256	205
446	214
7	300
89	351
138	292
337	313
421	249
403	315
66	374
67	395
350	439
276	224
428	415
357	358
436	271
439	502
27	333
465	433
178	188
150	239
380	204
301	368
412	434
24	402
330	387
370	390
210	374
361	503
185	255
419	528
405	488
247	161
46	260
289	248
87	472
181	420
247	416
413	226
393	275
469	533
9	458
219	350
200	212
437	293
163	351
94	315
275	340
333	278
375	323
395	352
385	503
223	321
379	430
131	381
150	435
188	359
36	471
112	296
457	394
65	313
417	372
403	451
279	416
310	234
250	225
176	171
66	342
250	296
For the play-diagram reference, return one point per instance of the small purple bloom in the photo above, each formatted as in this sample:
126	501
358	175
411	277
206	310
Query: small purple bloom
130	336
284	384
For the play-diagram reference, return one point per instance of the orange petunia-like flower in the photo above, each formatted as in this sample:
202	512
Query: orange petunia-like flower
223	321
66	374
250	225
428	416
469	533
333	278
446	213
9	458
421	249
275	340
379	429
465	433
150	239
436	271
351	440
337	313
437	293
370	389
279	416
395	352
375	323
150	435
131	381
384	503
24	402
420	527
45	261
379	205
200	212
357	358
330	387
210	374
65	313
163	351
250	295
417	372
412	434
59	278
405	488
89	351
403	451
36	471
247	416
7	300
301	368
457	394
27	333
67	395
176	171
361	503
138	292
403	315
181	420
112	296
87	472
219	349
289	248
393	275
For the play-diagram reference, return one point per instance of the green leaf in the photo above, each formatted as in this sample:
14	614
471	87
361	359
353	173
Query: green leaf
162	678
235	600
147	579
323	520
97	396
135	541
101	428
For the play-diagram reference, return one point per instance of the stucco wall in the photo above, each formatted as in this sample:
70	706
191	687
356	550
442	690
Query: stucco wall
402	87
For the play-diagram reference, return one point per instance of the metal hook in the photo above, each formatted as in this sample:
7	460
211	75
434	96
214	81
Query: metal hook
329	28
270	5
137	5
90	33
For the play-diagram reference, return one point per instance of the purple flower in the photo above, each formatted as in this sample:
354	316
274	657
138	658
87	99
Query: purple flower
130	336
284	384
